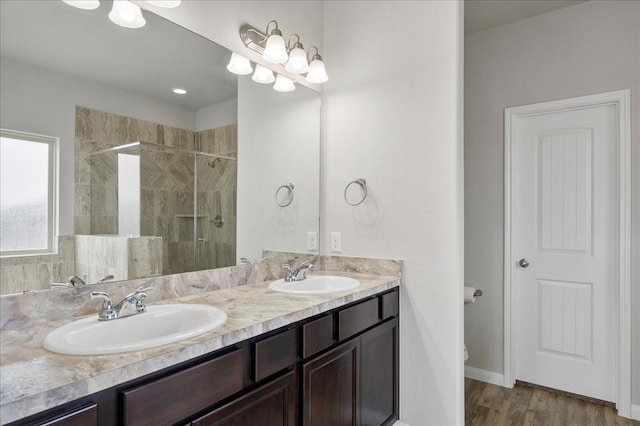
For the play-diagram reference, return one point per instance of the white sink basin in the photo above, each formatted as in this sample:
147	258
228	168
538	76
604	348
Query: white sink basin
316	284
160	325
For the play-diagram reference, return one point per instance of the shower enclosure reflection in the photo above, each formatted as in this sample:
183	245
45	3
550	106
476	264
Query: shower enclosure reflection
171	209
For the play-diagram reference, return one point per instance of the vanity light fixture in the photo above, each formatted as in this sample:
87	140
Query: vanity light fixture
126	14
274	50
317	72
179	91
284	84
297	63
263	75
83	4
240	65
294	59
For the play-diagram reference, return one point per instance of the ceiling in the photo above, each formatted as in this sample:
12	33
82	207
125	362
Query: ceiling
150	60
480	15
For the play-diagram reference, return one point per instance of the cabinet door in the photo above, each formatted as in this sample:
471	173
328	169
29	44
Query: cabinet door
331	387
84	417
273	404
379	375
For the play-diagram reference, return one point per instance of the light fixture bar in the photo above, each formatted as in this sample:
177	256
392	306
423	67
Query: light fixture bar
253	38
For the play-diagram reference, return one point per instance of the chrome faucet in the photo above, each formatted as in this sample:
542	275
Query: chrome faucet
111	312
292	276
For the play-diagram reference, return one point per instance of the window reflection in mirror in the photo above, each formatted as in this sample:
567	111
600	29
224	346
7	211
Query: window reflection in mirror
28	188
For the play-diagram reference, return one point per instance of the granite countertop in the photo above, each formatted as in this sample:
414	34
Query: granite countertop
33	379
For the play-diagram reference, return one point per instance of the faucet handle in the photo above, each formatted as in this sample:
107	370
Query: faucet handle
102	295
107	311
144	287
307	267
286	266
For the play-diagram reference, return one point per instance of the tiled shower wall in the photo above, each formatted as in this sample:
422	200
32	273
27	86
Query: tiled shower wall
167	185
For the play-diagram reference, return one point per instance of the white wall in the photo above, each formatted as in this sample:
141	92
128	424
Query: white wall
41	101
218	115
589	48
278	143
392	115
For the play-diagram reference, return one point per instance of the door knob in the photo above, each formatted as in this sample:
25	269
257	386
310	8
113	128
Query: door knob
523	263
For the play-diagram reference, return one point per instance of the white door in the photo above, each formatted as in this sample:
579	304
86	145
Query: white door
564	222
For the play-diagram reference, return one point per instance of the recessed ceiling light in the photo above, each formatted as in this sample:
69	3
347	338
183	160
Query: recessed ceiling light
179	91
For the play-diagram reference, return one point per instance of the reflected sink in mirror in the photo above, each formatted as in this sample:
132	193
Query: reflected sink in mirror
316	284
159	325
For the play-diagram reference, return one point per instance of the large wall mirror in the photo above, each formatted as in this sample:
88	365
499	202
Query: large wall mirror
147	182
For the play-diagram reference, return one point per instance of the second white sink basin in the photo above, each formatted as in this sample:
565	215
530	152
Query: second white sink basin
160	325
316	284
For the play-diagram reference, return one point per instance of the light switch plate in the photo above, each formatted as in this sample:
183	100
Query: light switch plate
312	240
336	242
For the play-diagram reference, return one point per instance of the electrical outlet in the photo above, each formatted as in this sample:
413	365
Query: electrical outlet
336	242
312	240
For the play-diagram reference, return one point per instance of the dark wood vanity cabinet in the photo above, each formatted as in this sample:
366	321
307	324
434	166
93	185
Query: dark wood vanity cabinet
355	382
86	416
337	368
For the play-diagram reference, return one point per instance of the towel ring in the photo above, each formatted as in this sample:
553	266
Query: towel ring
289	187
363	186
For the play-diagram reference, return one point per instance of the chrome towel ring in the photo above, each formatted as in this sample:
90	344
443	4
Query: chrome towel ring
363	186
289	196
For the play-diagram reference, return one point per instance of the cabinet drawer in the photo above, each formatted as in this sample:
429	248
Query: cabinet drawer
317	335
84	417
389	305
274	353
171	399
357	318
272	404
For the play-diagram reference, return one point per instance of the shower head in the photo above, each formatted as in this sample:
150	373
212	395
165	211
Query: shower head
212	163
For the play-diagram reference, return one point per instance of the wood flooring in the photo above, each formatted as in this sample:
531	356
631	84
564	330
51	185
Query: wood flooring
492	405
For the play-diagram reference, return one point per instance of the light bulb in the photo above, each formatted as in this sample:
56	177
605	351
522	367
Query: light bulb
238	64
317	72
263	75
297	63
284	84
83	4
126	14
275	50
165	3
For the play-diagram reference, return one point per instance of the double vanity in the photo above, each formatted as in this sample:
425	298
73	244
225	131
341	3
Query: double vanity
249	349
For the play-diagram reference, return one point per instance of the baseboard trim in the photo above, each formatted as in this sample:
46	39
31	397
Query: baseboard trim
399	423
484	375
635	412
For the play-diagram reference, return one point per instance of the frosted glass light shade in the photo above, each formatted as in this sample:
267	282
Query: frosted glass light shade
297	63
83	4
165	3
283	84
317	72
126	14
263	75
275	50
238	64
